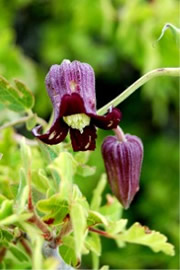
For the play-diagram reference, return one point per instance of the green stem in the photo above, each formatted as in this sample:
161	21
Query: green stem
23	120
132	88
15	122
41	121
95	261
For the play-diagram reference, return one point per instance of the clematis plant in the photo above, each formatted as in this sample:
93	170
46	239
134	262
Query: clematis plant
68	225
71	87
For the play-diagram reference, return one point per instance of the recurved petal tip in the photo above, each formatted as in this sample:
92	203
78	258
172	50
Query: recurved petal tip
123	162
54	135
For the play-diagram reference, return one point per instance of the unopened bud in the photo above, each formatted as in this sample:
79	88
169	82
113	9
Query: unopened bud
123	160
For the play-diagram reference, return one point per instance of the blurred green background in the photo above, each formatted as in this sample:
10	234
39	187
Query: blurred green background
118	38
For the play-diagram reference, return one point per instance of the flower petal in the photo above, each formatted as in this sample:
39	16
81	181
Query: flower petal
108	121
82	79
54	135
68	78
83	141
71	104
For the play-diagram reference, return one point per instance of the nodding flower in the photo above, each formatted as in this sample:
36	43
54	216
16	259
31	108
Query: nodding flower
71	88
123	159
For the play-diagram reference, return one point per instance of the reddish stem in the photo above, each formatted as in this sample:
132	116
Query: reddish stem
30	203
2	253
103	233
41	225
66	229
35	219
26	246
119	134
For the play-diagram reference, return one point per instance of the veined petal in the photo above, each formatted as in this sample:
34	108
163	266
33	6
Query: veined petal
83	141
69	78
54	135
123	160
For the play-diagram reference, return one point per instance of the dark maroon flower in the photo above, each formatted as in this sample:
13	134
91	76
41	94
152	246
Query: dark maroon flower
71	87
123	160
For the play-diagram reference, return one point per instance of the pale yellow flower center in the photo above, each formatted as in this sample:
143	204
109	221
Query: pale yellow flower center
77	121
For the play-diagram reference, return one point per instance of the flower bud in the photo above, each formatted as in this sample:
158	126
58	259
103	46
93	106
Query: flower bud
123	160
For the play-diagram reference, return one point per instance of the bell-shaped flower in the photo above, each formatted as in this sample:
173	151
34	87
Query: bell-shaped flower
123	160
71	87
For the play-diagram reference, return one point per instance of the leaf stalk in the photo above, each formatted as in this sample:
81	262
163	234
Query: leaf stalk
173	72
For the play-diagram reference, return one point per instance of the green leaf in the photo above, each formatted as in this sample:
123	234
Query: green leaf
65	165
34	231
22	193
1	155
116	227
5	236
21	204
17	252
82	157
23	189
78	197
41	181
78	216
48	152
97	193
93	243
50	192
17	264
142	235
15	218
55	206
49	155
25	94
112	210
25	155
2	265
104	267
22	184
2	198
77	194
37	258
85	170
6	209
96	218
50	263
67	251
80	160
17	98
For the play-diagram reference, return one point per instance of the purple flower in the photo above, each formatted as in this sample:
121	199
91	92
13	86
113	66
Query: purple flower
123	160
71	87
